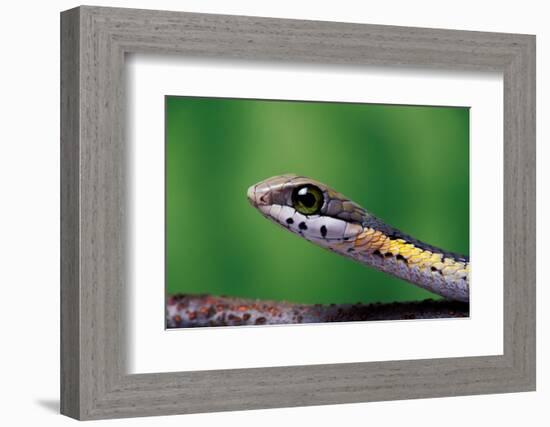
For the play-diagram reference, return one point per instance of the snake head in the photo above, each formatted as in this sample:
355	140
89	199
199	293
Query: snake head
308	208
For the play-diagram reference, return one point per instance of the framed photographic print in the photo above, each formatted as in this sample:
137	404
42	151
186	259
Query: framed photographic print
350	208
241	139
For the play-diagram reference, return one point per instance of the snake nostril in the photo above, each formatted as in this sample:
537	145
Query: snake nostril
265	198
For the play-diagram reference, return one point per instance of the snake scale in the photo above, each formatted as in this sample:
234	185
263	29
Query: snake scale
319	214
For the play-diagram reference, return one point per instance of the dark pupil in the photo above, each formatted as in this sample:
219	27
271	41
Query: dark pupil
306	198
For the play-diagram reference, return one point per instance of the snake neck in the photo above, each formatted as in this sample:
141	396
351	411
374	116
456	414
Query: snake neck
387	249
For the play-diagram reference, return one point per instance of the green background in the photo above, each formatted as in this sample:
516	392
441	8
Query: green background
409	165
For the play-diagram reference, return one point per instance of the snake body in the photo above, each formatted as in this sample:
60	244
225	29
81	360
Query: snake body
325	217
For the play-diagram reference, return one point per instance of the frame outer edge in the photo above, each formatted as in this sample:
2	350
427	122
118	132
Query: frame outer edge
70	387
531	107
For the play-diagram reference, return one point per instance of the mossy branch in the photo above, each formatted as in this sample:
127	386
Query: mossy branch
188	311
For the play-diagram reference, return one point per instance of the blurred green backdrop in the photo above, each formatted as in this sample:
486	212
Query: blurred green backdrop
409	165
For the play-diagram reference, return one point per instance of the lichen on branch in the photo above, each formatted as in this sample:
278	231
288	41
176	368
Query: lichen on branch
188	311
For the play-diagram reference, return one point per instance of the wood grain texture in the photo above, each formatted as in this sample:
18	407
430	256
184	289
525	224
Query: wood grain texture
94	239
70	221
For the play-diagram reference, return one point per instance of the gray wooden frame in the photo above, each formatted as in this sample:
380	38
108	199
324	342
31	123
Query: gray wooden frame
94	41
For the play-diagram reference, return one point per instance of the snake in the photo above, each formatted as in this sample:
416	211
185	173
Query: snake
321	215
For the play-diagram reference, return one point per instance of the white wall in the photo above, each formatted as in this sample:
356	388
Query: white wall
29	226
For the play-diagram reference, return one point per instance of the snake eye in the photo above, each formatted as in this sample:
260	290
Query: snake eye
307	199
